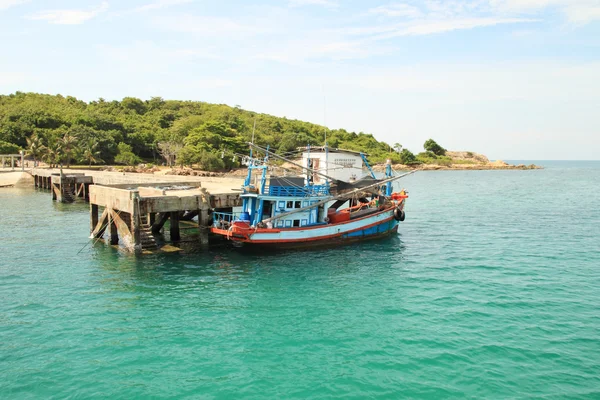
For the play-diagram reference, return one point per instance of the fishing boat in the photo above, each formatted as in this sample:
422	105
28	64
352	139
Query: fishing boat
316	209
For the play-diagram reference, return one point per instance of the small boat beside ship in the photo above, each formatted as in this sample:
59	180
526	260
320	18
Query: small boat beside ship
328	205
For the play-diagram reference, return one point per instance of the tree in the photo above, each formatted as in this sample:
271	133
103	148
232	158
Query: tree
144	124
209	161
407	157
398	147
68	143
170	150
90	152
8	148
53	153
431	145
132	103
125	155
35	148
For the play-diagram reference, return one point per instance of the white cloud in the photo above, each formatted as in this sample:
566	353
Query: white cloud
576	11
148	56
4	4
69	17
432	27
323	3
583	14
159	4
397	10
222	27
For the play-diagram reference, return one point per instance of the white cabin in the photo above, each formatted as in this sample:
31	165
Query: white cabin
344	165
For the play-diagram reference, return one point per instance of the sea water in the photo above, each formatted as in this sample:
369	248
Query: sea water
491	289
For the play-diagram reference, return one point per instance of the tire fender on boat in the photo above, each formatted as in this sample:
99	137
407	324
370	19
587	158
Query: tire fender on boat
399	215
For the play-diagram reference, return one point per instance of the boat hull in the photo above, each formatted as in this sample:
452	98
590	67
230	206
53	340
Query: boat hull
373	226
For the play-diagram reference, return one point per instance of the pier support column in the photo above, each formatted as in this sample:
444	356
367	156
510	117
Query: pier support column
204	225
93	216
175	234
151	218
158	225
86	191
134	225
55	190
113	233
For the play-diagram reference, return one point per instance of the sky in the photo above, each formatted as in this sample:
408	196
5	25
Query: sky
512	79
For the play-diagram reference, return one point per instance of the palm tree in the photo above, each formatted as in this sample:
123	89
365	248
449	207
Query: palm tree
35	148
68	143
91	153
53	153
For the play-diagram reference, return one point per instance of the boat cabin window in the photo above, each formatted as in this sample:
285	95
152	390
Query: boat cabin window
296	222
289	204
298	204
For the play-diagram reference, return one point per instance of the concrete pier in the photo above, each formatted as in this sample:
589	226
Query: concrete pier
135	215
131	210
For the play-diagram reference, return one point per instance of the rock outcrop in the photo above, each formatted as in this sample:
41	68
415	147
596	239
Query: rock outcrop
468	156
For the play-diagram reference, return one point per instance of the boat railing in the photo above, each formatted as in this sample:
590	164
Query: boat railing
221	218
294	191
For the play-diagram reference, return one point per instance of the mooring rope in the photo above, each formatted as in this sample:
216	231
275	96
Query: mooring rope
92	238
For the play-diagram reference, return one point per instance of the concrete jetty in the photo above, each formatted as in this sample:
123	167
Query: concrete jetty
16	179
131	208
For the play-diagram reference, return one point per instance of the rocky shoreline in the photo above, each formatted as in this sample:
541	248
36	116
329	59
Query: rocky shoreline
462	160
496	165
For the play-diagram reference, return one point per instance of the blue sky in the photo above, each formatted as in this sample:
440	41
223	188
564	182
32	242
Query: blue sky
513	79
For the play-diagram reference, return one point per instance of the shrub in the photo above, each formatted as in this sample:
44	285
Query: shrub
407	157
431	145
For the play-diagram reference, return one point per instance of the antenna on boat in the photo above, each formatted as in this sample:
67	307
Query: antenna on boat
325	128
252	142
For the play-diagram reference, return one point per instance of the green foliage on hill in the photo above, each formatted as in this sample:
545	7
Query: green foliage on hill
65	129
9	148
431	146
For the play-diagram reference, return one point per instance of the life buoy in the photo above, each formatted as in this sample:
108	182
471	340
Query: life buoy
399	215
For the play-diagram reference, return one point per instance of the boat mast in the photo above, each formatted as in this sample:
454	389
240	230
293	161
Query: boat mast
263	181
388	174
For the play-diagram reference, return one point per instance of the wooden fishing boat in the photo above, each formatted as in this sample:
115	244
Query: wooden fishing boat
304	211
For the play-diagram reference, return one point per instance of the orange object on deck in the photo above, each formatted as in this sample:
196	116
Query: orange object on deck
339	216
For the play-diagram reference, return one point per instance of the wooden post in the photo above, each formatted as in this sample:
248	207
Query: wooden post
93	216
86	191
175	234
113	233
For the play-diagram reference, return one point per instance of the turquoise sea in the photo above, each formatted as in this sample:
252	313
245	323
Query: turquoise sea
490	290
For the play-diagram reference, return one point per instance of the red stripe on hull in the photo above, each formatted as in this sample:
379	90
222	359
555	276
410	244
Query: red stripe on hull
339	241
